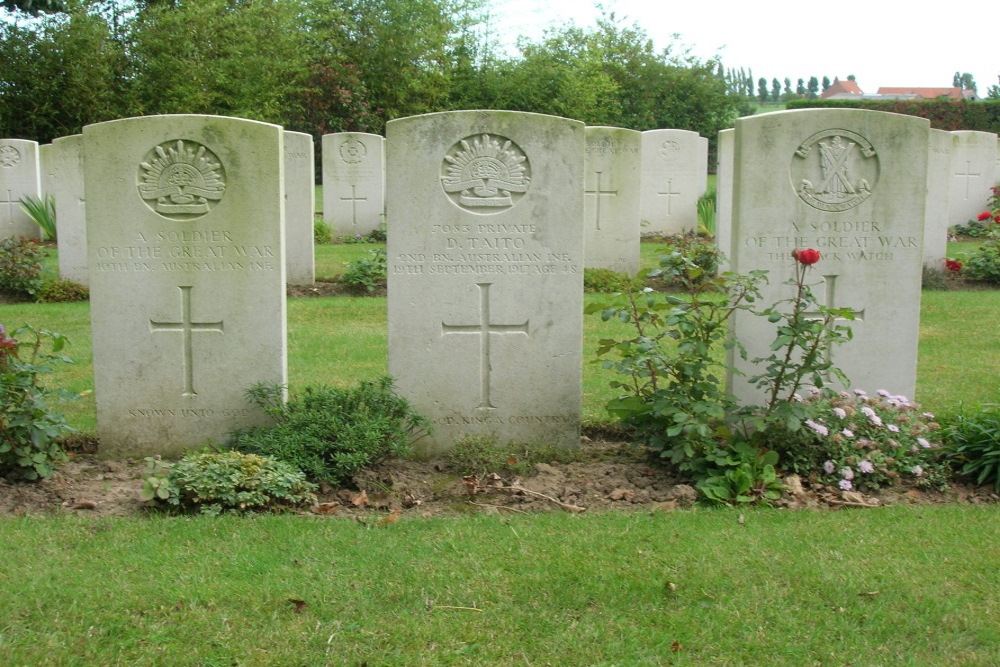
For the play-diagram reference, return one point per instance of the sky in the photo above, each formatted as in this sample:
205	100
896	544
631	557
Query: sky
882	43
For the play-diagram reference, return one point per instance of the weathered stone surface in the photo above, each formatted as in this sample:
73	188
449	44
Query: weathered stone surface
611	199
674	176
353	182
185	229
300	209
20	175
485	273
851	184
65	166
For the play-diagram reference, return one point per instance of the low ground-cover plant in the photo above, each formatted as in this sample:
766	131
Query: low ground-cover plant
218	482
62	291
22	275
20	267
368	273
853	441
606	281
330	433
479	455
973	445
29	426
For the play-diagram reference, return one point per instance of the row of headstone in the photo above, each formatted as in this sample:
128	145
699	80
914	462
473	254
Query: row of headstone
186	249
625	196
57	169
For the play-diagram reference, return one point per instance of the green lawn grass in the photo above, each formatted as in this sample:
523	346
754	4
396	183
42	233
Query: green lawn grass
903	585
900	586
339	340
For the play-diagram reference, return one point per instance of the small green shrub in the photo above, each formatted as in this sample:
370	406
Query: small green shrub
62	291
378	235
742	474
330	433
479	455
42	210
606	281
973	443
20	267
687	258
366	274
983	264
217	482
972	229
322	234
29	428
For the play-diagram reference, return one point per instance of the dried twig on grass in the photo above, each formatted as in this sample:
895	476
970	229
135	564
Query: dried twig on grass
565	506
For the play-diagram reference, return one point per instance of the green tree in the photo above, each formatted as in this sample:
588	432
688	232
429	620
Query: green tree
762	89
826	83
61	73
800	87
245	59
34	7
813	87
775	90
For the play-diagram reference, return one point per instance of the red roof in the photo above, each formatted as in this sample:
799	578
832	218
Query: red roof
926	93
839	87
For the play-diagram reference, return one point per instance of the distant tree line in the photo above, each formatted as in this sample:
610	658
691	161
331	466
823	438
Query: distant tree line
322	66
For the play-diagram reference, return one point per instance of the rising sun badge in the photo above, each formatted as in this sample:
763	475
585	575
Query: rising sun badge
181	180
485	174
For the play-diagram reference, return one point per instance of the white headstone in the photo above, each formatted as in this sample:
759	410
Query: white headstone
936	221
300	208
185	229
486	273
353	182
66	186
20	175
851	184
724	196
973	161
674	176
611	199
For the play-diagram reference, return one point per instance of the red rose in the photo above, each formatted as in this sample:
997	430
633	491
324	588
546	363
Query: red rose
953	265
996	218
807	256
985	215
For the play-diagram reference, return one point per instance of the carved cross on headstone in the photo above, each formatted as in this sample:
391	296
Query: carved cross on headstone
598	192
354	199
187	328
830	283
9	201
484	329
669	194
969	175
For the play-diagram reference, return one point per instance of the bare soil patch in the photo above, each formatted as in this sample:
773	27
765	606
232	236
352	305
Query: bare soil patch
612	477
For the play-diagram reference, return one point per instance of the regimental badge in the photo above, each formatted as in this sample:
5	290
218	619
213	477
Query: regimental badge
352	151
485	174
834	170
9	156
181	180
670	149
